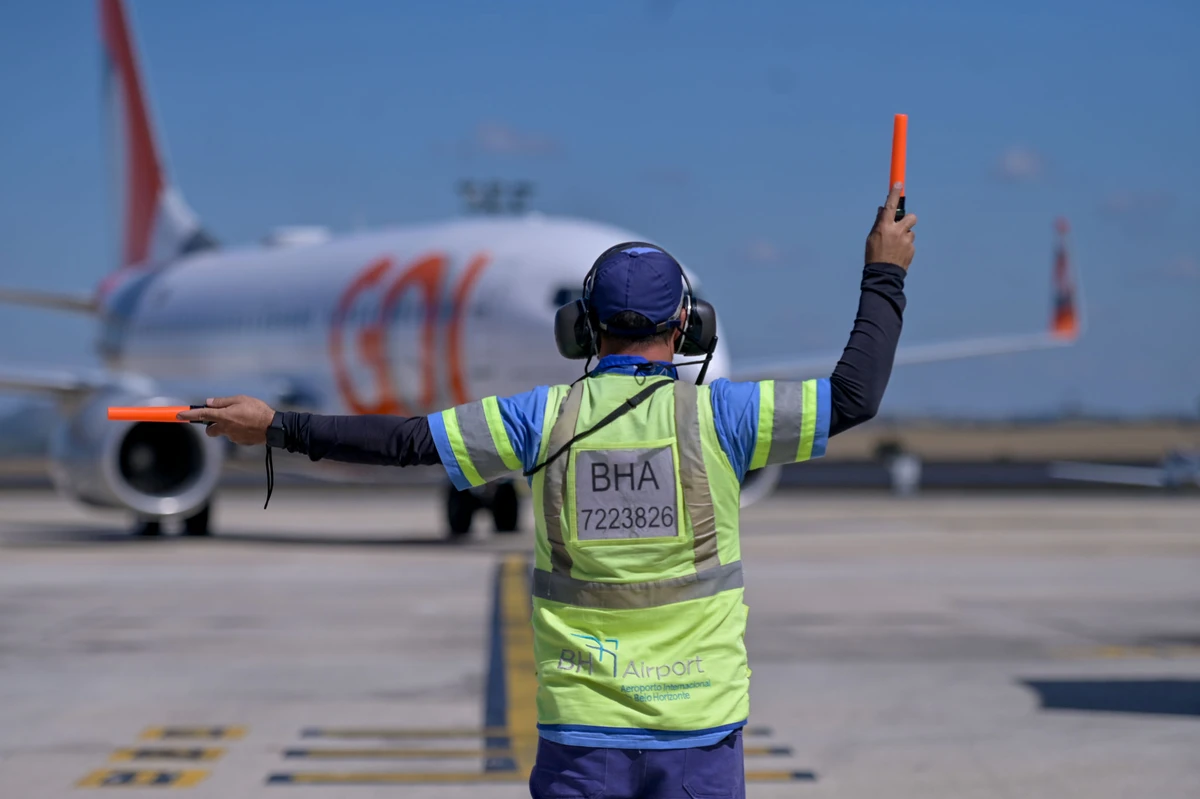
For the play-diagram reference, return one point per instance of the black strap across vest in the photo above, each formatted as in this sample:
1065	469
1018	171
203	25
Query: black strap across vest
622	409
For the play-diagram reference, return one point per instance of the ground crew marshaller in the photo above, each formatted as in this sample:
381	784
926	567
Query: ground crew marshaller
638	614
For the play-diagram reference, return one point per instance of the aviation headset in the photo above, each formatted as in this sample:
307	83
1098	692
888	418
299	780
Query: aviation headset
577	332
577	328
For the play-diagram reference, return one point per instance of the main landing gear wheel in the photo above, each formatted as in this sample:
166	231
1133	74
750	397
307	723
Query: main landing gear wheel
197	524
500	499
460	508
506	508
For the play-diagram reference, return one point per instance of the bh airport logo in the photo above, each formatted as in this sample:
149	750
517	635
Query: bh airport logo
576	660
599	655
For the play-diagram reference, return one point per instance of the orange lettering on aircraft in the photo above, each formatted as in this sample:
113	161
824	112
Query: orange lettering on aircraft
366	280
458	385
424	276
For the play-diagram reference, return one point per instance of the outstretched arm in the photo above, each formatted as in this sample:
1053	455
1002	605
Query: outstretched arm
377	440
857	384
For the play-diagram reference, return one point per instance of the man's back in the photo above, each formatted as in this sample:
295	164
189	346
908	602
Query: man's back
637	608
637	587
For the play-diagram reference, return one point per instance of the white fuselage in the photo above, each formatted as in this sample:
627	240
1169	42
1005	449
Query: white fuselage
406	321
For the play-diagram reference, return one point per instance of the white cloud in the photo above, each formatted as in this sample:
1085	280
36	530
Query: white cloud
1020	165
761	251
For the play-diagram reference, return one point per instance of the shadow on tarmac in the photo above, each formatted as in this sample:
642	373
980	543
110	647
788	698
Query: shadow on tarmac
1154	696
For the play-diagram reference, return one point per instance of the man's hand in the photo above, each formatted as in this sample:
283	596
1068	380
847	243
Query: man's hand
891	242
242	419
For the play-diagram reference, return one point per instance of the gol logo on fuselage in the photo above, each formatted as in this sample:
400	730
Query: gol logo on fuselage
359	333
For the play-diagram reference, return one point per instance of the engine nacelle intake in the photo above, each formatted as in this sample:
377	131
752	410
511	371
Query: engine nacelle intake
155	470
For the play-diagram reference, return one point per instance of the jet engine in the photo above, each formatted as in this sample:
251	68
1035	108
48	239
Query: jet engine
759	484
155	470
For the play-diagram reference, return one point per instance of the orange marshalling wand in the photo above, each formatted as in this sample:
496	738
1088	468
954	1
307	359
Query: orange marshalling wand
155	413
899	156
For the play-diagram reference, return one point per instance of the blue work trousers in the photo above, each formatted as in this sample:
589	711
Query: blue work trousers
585	772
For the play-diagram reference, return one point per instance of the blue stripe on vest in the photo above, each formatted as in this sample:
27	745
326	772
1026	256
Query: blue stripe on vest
632	737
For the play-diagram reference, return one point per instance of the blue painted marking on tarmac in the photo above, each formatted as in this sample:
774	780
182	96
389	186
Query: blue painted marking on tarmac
495	711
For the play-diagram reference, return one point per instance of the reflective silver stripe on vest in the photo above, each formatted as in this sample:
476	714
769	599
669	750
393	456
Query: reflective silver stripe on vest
553	483
785	426
481	447
634	596
693	476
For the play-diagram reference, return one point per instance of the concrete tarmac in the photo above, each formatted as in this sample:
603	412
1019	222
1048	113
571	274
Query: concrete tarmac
335	646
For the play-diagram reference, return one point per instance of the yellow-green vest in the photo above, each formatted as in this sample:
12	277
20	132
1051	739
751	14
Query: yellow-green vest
638	609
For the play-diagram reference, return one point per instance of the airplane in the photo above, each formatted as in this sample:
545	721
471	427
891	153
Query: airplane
1177	470
404	320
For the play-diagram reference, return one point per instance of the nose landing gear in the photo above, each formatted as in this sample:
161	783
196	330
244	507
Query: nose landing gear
501	498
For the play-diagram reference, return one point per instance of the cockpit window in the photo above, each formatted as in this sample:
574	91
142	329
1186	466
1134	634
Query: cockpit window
566	294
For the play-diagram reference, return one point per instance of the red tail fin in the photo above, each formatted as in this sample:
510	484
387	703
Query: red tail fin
156	225
1064	320
142	177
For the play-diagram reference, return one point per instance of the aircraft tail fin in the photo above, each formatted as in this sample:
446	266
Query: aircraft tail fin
1066	322
156	224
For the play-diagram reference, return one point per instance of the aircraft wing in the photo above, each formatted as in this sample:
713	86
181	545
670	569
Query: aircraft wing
71	387
822	365
76	303
1106	473
1066	325
65	382
70	384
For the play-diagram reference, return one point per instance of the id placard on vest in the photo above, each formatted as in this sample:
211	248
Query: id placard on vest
625	493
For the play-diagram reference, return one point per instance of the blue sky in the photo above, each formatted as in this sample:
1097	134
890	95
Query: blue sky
750	138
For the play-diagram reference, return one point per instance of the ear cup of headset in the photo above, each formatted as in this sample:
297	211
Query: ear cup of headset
682	341
700	329
573	331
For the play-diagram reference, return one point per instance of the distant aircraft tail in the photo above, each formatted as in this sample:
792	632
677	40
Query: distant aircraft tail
156	225
1065	321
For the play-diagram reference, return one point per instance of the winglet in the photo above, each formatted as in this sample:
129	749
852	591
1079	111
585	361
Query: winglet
1065	323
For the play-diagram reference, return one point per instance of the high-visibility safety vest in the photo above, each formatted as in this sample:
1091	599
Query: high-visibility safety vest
638	609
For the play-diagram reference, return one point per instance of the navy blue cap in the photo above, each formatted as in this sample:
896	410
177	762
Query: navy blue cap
645	280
